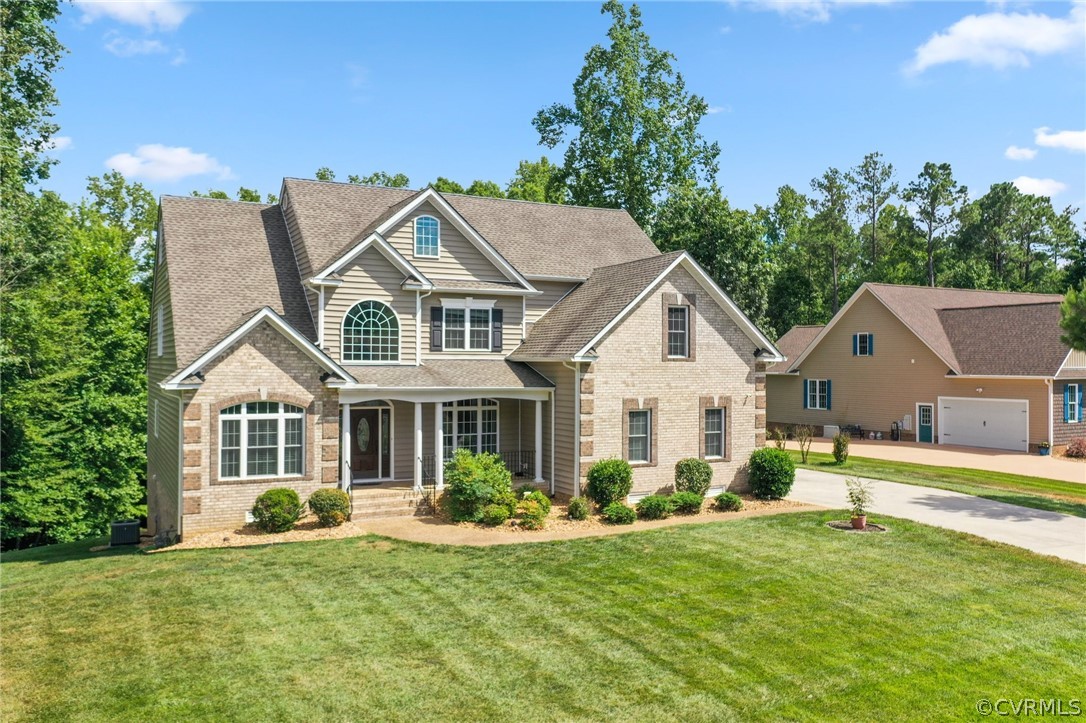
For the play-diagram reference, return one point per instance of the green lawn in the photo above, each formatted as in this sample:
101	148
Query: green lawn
1037	492
760	618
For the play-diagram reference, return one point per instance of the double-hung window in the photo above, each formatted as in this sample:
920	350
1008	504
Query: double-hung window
1072	403
714	433
468	328
863	344
261	439
818	394
427	237
470	424
678	332
639	442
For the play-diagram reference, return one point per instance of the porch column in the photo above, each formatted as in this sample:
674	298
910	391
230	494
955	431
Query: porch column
418	446
439	446
345	445
538	440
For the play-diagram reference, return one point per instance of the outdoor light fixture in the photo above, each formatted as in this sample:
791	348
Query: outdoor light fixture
199	375
980	389
325	377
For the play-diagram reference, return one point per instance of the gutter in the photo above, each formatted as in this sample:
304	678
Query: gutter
1051	435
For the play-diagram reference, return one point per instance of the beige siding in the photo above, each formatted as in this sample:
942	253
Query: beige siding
553	291
512	312
370	276
877	390
1075	360
163	428
630	367
566	457
459	257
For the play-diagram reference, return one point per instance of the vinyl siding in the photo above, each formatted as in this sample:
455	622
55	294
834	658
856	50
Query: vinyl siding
163	448
566	456
459	257
553	291
877	390
512	311
1063	432
370	276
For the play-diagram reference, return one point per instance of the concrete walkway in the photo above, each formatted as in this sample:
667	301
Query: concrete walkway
992	460
1048	533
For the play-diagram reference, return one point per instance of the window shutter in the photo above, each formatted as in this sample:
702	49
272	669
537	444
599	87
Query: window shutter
1066	403
435	328
805	393
1079	404
829	394
855	345
871	345
496	330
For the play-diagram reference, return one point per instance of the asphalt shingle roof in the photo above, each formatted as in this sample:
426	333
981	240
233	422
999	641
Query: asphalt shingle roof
467	373
1018	340
793	343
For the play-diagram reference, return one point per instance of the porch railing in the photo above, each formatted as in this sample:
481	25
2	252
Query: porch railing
520	464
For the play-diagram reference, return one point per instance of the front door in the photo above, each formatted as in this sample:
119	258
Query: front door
925	424
371	443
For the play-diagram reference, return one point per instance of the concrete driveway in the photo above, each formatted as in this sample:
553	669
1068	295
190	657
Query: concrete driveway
993	460
1048	533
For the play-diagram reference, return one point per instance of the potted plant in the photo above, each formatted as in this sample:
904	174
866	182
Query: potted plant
1044	449
859	497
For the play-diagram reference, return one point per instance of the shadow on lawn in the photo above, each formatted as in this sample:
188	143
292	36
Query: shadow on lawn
67	552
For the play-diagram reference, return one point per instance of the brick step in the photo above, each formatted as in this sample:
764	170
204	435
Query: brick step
379	494
373	513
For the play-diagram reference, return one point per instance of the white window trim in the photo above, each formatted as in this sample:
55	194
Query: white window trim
467	305
686	331
243	447
814	384
647	435
415	237
867	335
160	315
478	408
723	422
399	335
1076	416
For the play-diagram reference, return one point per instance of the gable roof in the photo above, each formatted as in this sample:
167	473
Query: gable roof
585	316
793	343
226	260
1020	340
538	239
918	308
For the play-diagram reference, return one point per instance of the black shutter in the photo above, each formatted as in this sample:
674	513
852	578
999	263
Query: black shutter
435	328
496	330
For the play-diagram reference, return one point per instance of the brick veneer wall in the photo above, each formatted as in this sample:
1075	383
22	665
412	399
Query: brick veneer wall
262	366
631	367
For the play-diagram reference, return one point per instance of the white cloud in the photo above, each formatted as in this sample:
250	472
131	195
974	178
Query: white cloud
147	14
157	162
1039	186
124	47
1068	140
59	143
714	109
1020	154
724	30
813	11
358	76
1002	40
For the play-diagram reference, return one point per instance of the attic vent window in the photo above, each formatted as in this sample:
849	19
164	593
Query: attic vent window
427	237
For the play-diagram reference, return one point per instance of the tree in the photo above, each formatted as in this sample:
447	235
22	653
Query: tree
538	181
635	126
1073	318
324	173
937	198
873	186
485	188
249	195
380	178
831	228
444	185
726	242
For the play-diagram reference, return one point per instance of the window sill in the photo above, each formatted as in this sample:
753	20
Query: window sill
260	480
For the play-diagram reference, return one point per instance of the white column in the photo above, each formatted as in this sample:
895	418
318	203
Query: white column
439	446
418	446
538	440
345	444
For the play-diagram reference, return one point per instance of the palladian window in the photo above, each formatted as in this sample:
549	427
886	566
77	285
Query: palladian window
371	333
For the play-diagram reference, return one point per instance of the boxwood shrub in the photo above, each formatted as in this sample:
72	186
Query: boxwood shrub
526	492
654	507
531	515
687	503
277	510
578	509
495	514
609	480
728	502
693	475
473	481
772	473
331	506
618	513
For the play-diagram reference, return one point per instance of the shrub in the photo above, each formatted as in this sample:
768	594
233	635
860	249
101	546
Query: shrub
495	514
531	515
531	493
859	496
277	510
840	447
693	475
578	509
508	500
618	513
1077	448
654	507
728	502
473	481
609	480
804	436
779	437
331	506
772	473
687	503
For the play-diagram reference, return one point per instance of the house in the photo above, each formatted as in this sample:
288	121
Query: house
949	366
353	335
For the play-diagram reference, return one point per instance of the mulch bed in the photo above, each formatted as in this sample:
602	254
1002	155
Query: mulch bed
846	526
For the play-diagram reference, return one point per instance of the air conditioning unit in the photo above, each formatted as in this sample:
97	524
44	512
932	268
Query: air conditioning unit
124	532
830	431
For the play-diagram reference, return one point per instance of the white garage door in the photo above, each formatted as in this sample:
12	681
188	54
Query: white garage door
996	423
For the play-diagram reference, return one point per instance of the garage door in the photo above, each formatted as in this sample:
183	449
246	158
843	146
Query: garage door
995	423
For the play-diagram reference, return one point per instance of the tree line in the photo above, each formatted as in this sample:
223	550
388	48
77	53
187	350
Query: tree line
75	276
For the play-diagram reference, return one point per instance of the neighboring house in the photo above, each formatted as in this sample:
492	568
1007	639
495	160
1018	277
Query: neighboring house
359	335
950	366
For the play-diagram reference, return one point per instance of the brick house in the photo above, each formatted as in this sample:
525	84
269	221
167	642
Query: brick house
356	336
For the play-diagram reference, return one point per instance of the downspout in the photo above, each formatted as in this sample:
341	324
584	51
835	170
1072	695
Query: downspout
576	427
320	316
552	443
1051	440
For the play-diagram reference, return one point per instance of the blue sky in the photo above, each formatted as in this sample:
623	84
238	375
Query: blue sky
184	96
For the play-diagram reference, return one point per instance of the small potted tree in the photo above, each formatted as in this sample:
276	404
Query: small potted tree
859	497
1044	449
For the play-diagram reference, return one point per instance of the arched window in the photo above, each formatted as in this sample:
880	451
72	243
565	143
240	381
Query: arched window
261	439
427	235
371	333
